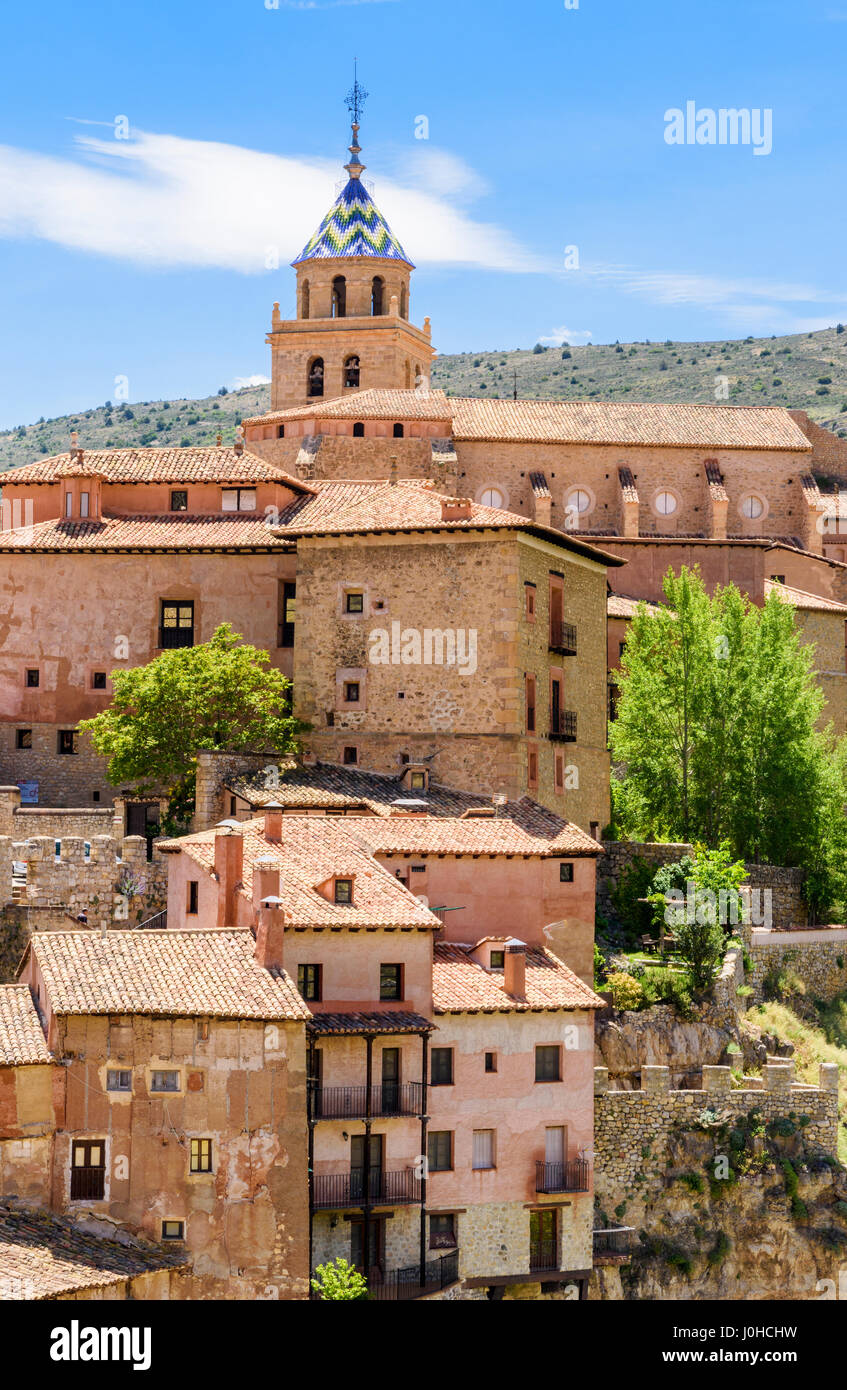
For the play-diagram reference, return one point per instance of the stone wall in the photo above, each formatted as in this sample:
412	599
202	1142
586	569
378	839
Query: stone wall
818	958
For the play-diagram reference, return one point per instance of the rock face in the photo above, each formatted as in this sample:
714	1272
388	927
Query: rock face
659	1037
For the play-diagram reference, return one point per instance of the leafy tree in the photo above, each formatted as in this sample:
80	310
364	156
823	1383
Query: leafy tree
221	694
701	908
338	1281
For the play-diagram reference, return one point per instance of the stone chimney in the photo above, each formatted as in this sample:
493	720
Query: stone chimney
514	973
239	439
219	439
265	880
229	862
273	821
276	316
270	933
456	508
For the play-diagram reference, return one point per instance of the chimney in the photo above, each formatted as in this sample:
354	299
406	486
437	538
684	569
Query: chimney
219	439
456	508
229	860
270	933
276	316
265	880
514	974
76	452
239	439
392	475
273	821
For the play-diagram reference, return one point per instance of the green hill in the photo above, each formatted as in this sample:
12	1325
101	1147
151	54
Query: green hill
807	371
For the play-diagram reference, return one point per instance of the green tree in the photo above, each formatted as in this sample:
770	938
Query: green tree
222	694
337	1282
702	908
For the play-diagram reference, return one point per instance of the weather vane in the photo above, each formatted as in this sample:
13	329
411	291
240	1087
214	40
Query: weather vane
356	97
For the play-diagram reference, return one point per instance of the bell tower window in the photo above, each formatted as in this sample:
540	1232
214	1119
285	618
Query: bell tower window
316	377
404	307
398	431
339	297
359	430
377	295
351	371
304	300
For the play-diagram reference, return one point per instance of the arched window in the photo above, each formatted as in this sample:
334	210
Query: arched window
491	497
339	297
315	386
304	300
404	307
377	294
358	430
665	503
398	431
578	501
351	371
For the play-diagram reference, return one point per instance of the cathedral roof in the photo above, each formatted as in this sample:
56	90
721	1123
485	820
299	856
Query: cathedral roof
354	226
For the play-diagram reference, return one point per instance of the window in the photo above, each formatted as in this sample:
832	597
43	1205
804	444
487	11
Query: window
439	1150
304	300
173	1230
559	773
778	578
752	507
565	873
203	1029
84	498
33	678
529	595
118	1080
442	1231
492	497
289	614
532	768
351	755
547	1064
238	499
69	504
351	372
88	1169
530	704
354	602
417	781
280	431
377	295
358	430
351	692
391	982
201	1156
344	890
497	960
179	500
177	625
310	981
483	1148
98	680
315	377
578	502
491	1061
23	738
164	1081
442	1066
665	503
399	431
67	741
339	297
191	905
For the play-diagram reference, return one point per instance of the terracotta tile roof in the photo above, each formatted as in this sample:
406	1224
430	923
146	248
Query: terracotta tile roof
476	835
323	785
629	491
539	485
372	405
798	598
175	973
198	464
811	491
21	1036
170	531
312	851
44	1256
461	985
714	477
375	1023
620	606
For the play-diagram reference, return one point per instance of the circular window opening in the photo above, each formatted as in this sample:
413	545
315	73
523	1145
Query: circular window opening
491	497
752	507
578	501
665	503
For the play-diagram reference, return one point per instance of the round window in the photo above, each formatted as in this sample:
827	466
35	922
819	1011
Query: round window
665	503
752	507
578	501
491	497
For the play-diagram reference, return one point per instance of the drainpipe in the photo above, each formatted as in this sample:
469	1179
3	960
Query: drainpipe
424	1122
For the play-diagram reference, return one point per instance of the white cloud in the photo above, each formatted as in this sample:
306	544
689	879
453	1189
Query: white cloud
162	200
708	291
572	336
257	379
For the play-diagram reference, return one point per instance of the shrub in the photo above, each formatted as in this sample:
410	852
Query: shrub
667	987
626	992
339	1282
600	968
719	1250
693	1181
634	916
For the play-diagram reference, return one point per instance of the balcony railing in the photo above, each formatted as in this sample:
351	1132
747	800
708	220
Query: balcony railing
332	1191
614	1240
87	1182
350	1102
563	725
562	638
572	1176
544	1254
399	1285
172	637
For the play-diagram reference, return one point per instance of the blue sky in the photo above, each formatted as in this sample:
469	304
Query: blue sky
153	257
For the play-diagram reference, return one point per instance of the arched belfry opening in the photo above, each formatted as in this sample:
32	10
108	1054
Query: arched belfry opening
315	379
304	300
404	303
377	296
352	371
359	429
339	297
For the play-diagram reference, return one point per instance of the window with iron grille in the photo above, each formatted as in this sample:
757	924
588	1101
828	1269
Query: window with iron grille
547	1064
442	1066
179	500
439	1150
177	624
201	1156
88	1169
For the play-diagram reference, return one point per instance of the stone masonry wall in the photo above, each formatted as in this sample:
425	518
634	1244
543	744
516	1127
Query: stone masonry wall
819	958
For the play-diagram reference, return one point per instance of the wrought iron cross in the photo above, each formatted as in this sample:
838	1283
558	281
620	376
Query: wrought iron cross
356	97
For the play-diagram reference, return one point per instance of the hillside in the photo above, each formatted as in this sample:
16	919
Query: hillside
805	371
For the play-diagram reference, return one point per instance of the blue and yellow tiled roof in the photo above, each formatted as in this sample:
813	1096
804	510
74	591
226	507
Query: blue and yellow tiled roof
354	226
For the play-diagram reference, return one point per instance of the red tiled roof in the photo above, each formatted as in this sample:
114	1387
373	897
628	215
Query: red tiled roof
620	606
313	850
175	973
169	531
629	491
541	834
363	1023
375	404
798	598
197	464
461	985
714	478
539	484
21	1037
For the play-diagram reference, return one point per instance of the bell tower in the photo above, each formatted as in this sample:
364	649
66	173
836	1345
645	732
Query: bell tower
352	330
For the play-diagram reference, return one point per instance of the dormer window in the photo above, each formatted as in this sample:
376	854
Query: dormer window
179	500
344	890
238	499
84	498
69	504
417	781
497	960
